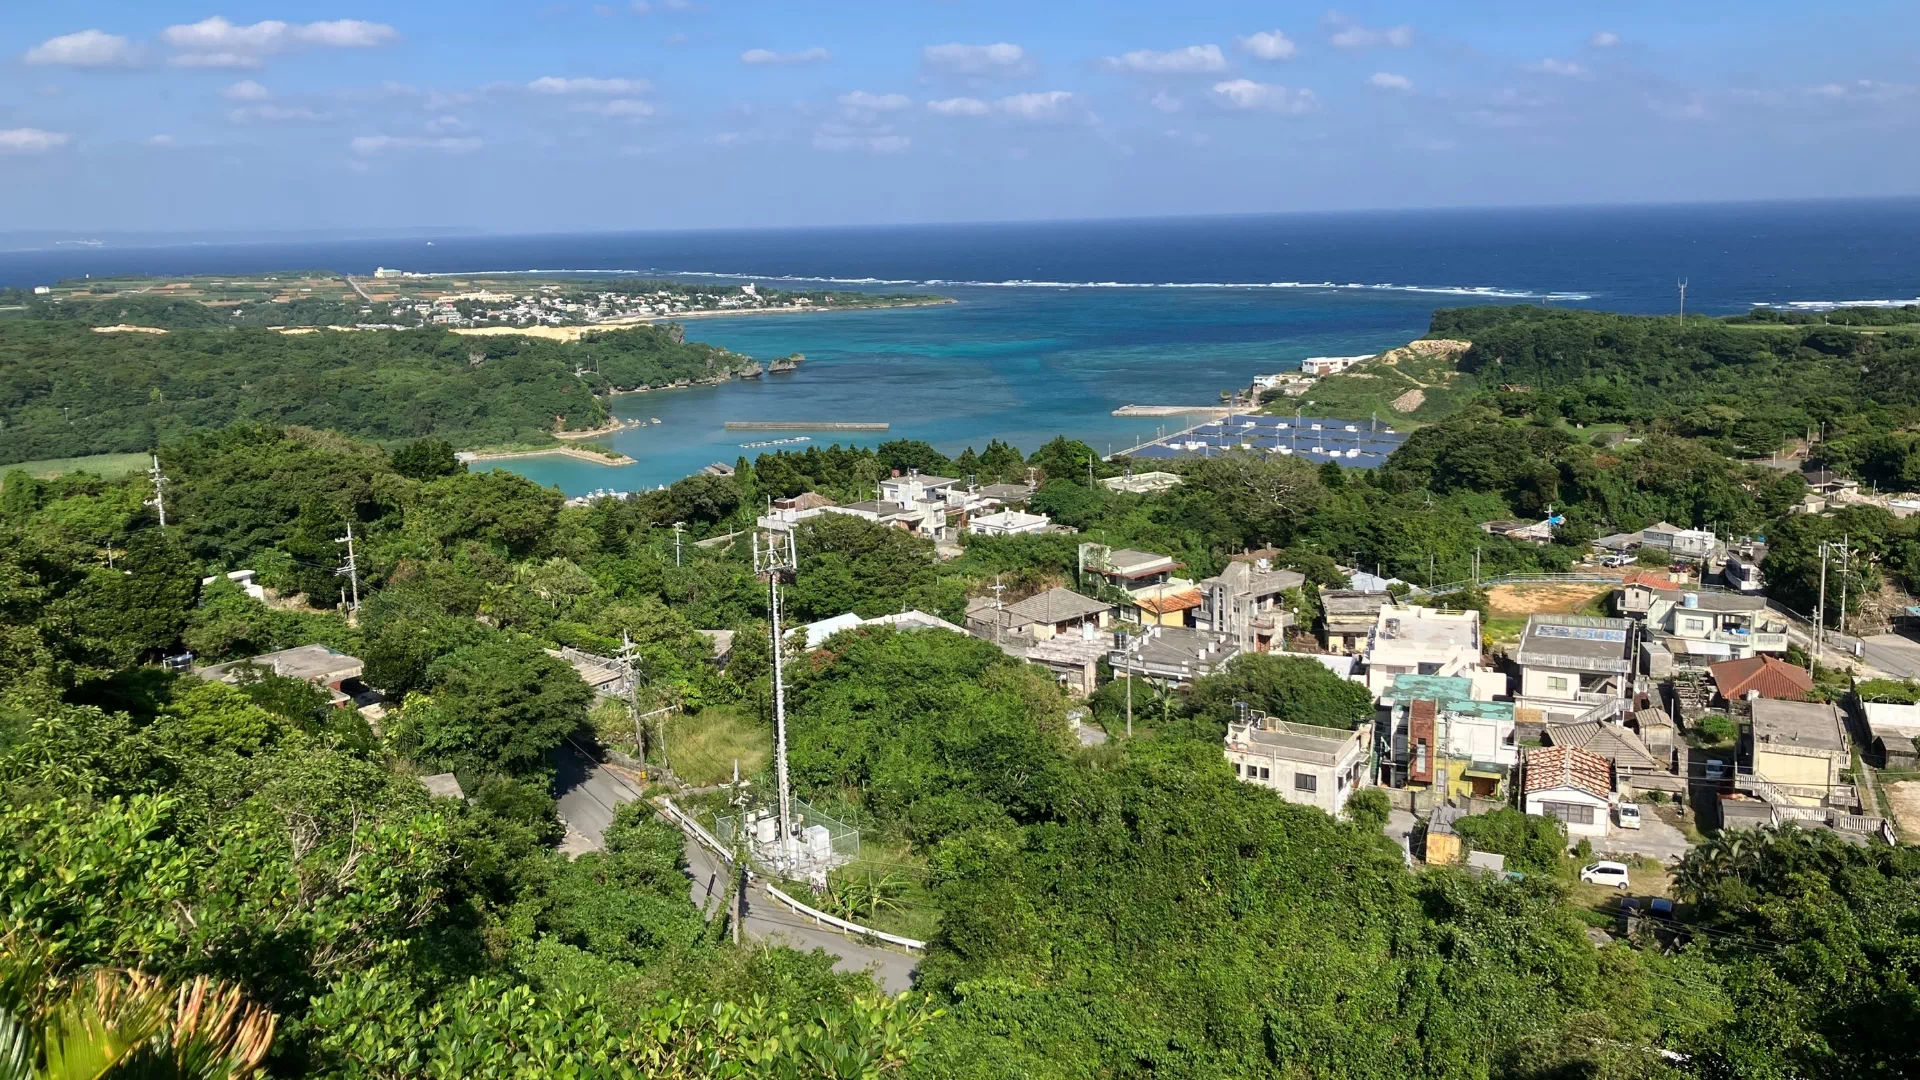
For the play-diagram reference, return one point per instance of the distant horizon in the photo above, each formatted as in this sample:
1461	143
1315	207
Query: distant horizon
65	238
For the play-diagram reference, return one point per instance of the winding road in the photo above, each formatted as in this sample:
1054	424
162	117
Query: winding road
588	795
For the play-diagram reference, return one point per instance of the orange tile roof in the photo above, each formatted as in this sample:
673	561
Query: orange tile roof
1569	766
1165	603
1772	677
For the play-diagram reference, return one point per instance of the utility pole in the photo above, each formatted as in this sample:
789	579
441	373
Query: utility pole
1820	612
999	609
1846	560
351	570
677	527
1683	301
160	481
628	673
777	560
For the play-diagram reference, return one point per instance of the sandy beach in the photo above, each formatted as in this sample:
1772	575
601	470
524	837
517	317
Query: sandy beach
562	451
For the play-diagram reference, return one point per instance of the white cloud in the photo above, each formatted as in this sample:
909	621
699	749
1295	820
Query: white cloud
1345	32
768	56
1194	59
676	39
218	43
445	123
1603	39
1387	80
1000	58
959	106
553	84
1034	106
246	90
30	141
1269	45
1247	94
159	140
1165	102
1553	66
368	145
87	48
836	139
860	99
628	108
274	114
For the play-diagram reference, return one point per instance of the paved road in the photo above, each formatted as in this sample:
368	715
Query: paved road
590	792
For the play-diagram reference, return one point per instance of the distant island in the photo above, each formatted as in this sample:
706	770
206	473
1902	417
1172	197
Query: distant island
394	299
111	367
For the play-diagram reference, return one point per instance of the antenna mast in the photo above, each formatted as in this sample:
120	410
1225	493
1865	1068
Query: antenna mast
1683	300
777	560
160	481
351	570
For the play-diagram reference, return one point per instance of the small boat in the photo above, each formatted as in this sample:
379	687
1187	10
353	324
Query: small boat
655	420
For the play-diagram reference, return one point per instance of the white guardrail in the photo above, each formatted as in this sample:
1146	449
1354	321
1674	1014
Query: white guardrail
707	839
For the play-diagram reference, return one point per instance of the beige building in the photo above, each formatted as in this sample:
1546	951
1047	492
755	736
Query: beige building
1312	766
1797	751
1415	640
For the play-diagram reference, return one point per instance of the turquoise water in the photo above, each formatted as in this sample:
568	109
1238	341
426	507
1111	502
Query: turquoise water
1020	365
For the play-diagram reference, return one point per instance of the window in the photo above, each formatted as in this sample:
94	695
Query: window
1696	625
1571	813
1266	773
1305	782
1557	682
1236	769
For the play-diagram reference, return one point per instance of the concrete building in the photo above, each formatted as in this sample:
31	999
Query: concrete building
1415	640
1891	733
1126	568
1313	766
1008	523
324	667
1440	734
1248	599
817	633
1072	658
1006	494
1330	365
1531	532
1141	483
1574	667
1169	603
784	514
1350	616
1795	751
1571	785
1172	656
1701	627
1037	618
1690	544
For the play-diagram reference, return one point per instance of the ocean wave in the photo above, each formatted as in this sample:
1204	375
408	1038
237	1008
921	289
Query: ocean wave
1488	291
1833	305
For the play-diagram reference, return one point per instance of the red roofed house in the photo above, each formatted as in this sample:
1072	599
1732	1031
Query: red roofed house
1766	676
1570	784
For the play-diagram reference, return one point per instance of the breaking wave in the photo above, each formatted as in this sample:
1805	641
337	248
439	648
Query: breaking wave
1488	291
1833	305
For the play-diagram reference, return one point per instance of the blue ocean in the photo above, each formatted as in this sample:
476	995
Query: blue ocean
1060	323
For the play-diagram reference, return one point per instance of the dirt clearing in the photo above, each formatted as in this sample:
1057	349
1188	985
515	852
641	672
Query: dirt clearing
1564	598
1904	797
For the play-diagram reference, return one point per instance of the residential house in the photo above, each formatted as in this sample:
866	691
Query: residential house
1891	731
1574	667
1311	766
1443	840
1532	532
1072	658
1170	603
1037	618
1795	751
1703	626
1349	617
1008	523
1760	677
1741	571
1415	640
1248	599
1126	568
1142	483
1616	742
1439	733
1330	365
1006	494
817	633
919	504
1170	655
1691	544
784	514
323	666
1569	784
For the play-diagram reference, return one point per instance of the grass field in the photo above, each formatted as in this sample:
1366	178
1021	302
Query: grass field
107	465
702	747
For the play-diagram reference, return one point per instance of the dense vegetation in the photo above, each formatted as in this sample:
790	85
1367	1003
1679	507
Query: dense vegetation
1127	910
66	391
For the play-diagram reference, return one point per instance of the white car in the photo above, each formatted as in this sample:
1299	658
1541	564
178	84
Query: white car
1628	815
1605	873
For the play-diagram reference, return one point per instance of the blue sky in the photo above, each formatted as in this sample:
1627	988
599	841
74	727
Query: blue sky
527	116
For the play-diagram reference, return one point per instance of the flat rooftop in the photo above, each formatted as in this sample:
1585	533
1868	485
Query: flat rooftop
1577	641
1812	724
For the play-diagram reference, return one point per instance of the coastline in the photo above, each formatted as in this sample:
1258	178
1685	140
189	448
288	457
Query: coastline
571	334
472	456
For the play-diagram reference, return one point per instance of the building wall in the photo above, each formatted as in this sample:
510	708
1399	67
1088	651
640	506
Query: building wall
1814	771
1540	802
1442	849
1333	785
1540	682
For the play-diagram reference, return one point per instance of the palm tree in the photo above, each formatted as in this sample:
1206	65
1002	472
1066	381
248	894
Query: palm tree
126	1025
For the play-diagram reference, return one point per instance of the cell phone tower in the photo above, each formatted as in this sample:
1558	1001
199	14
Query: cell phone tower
779	560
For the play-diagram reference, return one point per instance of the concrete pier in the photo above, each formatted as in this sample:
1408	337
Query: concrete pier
801	425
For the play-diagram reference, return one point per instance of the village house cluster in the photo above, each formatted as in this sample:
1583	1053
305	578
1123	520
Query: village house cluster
568	305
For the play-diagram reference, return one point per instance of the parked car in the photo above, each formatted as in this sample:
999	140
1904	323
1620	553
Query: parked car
1628	815
1660	907
1605	872
1717	769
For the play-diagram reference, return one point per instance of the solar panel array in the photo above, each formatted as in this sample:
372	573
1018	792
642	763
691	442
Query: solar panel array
1362	444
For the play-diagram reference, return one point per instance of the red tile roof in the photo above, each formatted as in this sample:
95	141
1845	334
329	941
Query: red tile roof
1568	767
1772	677
1167	603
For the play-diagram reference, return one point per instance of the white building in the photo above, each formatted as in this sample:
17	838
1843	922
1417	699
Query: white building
1572	785
1142	483
1330	365
1575	667
1312	766
1681	543
1415	640
1009	523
